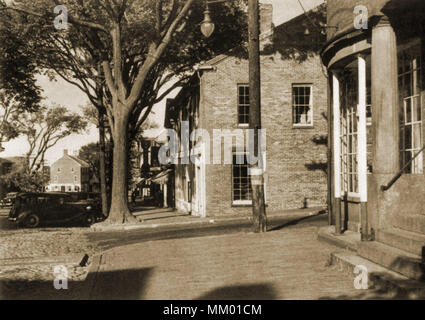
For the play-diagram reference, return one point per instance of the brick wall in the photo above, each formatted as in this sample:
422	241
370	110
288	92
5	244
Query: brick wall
66	175
289	150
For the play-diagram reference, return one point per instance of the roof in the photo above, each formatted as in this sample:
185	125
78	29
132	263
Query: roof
80	161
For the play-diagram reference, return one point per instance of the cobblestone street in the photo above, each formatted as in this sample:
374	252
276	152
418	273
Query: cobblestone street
28	258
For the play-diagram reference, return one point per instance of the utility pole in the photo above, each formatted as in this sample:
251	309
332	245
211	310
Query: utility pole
256	170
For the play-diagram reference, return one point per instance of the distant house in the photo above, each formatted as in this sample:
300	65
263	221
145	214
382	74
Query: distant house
69	174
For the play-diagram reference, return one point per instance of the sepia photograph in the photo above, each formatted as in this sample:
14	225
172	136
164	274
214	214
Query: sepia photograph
212	157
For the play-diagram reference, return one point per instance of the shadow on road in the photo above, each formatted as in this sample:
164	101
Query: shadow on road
262	291
112	285
129	284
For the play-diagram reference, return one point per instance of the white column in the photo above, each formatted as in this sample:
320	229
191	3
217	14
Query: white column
336	135
361	131
165	195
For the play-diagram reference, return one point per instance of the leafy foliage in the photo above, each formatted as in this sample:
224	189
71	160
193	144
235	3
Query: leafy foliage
44	128
17	63
127	56
25	181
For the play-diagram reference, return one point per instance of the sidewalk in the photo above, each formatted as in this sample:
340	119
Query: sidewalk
286	264
150	217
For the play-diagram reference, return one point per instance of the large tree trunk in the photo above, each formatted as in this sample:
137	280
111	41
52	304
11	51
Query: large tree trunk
119	212
102	169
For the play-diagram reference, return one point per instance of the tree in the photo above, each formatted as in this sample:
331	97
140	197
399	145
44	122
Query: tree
124	53
45	128
9	112
21	179
18	89
90	154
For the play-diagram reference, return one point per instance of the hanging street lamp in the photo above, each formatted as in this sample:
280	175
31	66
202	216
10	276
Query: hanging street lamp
207	26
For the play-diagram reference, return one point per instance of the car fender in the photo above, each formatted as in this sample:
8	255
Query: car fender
23	215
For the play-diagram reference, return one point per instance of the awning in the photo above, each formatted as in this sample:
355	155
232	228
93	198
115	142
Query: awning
162	177
142	181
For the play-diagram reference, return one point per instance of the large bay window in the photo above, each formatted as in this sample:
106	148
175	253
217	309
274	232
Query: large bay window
410	88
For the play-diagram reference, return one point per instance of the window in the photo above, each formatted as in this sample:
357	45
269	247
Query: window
69	188
349	98
410	87
56	178
72	169
75	179
59	169
243	104
241	181
302	105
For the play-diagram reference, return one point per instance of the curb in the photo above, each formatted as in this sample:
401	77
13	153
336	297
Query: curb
207	221
91	277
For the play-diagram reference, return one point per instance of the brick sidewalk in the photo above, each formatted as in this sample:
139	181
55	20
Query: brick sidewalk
285	264
160	217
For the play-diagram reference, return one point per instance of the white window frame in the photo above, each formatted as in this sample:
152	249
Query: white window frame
240	202
311	105
348	115
417	164
244	85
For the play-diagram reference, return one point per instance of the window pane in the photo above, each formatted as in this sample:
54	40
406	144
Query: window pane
417	136
408	137
302	112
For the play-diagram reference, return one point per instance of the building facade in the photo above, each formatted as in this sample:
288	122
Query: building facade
69	174
211	116
377	101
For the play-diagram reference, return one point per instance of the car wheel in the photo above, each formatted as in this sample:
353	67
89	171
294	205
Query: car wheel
90	219
32	221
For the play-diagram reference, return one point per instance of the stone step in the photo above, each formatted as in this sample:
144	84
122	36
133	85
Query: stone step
410	222
397	260
379	279
405	240
348	240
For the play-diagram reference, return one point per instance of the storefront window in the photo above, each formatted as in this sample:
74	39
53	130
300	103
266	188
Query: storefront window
349	120
410	88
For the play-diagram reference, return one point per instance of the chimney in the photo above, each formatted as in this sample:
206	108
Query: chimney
266	17
65	152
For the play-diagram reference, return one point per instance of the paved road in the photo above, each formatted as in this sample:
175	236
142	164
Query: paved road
288	263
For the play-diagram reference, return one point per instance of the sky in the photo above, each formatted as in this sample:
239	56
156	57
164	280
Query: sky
65	94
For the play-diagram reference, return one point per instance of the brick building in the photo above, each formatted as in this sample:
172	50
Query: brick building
378	90
69	174
294	105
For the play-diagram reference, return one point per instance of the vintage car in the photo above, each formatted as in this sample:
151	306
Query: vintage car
7	201
34	209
